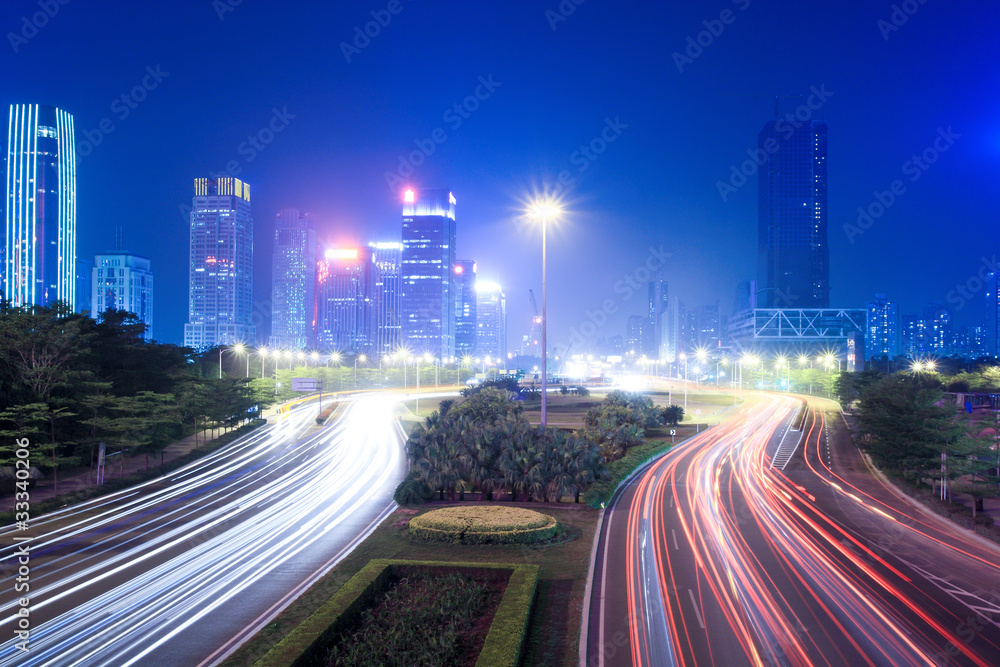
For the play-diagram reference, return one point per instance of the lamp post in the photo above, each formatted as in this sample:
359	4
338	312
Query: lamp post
684	358
544	211
263	359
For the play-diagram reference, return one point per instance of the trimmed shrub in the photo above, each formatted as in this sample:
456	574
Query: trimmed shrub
480	524
412	490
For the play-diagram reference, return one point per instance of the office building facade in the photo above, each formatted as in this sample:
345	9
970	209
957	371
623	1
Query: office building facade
428	257
221	265
39	243
491	321
345	304
293	281
123	281
466	323
793	259
386	264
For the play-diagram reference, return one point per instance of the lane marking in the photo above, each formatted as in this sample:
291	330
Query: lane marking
674	533
697	611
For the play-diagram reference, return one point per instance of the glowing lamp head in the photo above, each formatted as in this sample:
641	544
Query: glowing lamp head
459	268
409	196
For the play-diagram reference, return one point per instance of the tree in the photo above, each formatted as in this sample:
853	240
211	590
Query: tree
905	424
673	415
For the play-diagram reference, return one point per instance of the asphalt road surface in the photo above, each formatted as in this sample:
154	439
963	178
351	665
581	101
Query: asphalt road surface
767	540
180	570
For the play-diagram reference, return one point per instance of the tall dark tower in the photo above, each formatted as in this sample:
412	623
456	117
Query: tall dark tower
793	260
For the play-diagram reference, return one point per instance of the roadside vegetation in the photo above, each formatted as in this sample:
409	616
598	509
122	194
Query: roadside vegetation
485	446
68	383
913	431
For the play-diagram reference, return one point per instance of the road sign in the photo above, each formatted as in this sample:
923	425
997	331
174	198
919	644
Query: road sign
306	384
698	411
673	431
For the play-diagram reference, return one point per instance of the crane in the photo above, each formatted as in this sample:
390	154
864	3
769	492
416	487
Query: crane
536	322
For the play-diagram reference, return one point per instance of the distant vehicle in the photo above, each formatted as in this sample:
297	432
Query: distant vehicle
472	382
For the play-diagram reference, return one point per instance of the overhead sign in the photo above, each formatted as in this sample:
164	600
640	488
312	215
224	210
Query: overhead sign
306	384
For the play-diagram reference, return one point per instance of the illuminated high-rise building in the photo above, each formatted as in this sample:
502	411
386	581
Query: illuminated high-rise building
882	337
221	265
464	282
386	263
428	297
293	281
39	243
344	300
793	260
123	281
491	321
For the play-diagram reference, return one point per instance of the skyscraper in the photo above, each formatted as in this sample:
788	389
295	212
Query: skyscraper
293	281
793	260
386	261
466	323
221	265
428	298
491	320
123	281
344	300
39	245
991	334
637	335
658	302
882	329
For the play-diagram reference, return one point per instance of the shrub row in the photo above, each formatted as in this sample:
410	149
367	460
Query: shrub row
600	493
306	645
525	536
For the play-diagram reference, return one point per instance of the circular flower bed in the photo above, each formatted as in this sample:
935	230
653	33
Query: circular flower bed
484	524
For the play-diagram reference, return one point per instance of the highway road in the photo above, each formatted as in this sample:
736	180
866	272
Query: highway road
758	544
180	570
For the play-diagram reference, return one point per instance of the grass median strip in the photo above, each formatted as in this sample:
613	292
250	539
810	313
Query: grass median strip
402	612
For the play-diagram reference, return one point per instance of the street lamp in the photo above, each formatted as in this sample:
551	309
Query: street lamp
684	358
263	359
544	210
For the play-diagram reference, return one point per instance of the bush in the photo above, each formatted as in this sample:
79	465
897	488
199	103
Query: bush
412	490
481	524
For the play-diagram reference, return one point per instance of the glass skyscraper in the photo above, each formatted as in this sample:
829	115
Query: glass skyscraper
344	296
491	321
293	281
386	263
465	307
428	297
221	265
793	267
39	244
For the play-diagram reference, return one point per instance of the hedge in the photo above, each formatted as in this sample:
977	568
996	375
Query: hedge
483	524
306	645
600	493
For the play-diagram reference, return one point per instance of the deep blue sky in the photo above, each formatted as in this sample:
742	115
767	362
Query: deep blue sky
654	185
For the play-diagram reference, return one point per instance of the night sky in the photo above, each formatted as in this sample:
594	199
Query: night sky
676	133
